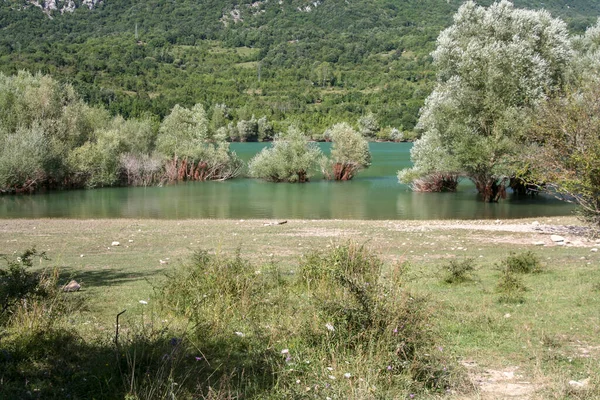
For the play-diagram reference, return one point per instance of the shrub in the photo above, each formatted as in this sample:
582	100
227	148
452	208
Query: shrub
262	332
523	263
349	152
365	311
459	271
291	159
510	287
18	284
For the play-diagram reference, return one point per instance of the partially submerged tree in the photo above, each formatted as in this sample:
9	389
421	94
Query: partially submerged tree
432	171
349	153
292	158
495	65
566	155
184	140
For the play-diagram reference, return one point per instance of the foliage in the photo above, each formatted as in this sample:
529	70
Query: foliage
566	150
458	271
292	158
368	125
359	306
268	331
433	170
183	132
510	286
349	152
494	65
18	284
523	263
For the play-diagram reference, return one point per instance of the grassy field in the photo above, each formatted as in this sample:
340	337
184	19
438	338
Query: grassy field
545	345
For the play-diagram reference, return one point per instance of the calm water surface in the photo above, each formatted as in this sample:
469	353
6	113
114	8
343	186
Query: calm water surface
374	194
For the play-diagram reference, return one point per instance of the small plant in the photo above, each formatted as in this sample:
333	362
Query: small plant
510	286
17	283
458	271
523	263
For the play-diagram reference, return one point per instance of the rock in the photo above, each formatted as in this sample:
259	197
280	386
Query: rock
594	249
72	286
579	384
115	243
536	223
130	240
557	238
538	243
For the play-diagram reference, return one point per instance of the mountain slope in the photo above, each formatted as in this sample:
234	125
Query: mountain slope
315	62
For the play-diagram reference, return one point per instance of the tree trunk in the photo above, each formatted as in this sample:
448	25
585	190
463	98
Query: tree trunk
490	188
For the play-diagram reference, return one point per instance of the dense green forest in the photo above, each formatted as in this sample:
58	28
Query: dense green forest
311	63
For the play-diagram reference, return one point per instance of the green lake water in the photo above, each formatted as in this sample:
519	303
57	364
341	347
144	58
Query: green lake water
373	194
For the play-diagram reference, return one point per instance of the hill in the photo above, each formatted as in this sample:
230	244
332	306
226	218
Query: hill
314	62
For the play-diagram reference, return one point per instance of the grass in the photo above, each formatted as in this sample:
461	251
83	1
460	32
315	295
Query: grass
552	335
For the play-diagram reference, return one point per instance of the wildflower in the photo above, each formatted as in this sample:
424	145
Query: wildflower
330	327
389	367
143	302
174	341
240	334
198	358
347	375
288	359
412	396
297	380
285	351
440	348
395	330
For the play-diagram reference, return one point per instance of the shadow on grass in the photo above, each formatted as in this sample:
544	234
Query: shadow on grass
106	277
59	364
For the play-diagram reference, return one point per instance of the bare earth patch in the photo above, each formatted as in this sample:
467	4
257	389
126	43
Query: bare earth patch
506	383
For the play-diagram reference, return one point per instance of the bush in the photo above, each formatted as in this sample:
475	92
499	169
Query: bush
291	159
263	332
19	285
349	152
459	271
510	287
523	263
364	310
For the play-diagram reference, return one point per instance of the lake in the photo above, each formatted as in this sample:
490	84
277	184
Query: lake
373	194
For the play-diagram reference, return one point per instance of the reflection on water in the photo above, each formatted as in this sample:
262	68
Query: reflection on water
374	194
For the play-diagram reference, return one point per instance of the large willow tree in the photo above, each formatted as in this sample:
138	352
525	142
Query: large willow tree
495	65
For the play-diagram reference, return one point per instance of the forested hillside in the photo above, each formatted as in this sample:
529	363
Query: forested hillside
313	62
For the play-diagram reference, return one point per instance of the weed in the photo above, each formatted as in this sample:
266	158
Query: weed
523	263
510	286
458	271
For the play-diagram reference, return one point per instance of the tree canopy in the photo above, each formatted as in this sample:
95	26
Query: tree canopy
495	65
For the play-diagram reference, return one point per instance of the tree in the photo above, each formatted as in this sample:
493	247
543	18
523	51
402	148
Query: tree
495	65
291	159
184	139
349	152
566	150
429	159
368	125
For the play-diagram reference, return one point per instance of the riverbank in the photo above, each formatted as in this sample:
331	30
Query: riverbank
528	349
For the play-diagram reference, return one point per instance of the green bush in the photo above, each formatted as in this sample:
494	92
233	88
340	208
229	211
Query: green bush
291	159
510	286
523	263
19	285
264	332
458	271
